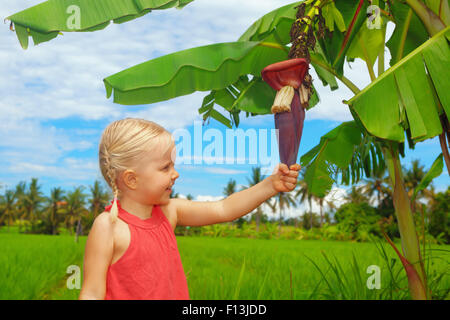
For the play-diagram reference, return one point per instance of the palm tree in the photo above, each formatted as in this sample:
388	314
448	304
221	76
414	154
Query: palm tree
32	201
309	220
75	208
254	180
189	197
229	189
7	207
430	195
283	200
413	177
377	184
304	191
356	195
55	201
321	201
99	199
19	194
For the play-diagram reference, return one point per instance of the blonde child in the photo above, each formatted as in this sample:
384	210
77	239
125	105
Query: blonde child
131	251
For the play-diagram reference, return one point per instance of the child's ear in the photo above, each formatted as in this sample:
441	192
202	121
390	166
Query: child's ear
130	179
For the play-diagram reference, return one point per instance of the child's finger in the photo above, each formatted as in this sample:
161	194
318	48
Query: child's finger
295	166
284	168
289	179
293	173
289	185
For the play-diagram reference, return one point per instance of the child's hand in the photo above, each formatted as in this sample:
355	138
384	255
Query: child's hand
283	179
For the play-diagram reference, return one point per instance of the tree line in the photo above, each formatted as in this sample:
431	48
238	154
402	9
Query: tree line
368	206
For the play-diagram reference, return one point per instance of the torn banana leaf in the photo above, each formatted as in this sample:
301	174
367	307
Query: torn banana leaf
409	32
48	19
410	95
344	150
274	26
255	97
336	147
335	47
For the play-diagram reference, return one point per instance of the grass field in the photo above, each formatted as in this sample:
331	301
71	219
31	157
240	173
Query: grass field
34	267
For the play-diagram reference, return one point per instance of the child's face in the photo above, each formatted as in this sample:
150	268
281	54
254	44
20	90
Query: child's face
156	175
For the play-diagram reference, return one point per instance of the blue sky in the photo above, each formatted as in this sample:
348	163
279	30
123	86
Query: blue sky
53	105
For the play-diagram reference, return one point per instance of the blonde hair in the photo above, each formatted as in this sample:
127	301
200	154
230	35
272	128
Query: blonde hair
121	146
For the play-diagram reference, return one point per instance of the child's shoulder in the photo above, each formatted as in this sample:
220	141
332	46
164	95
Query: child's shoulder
103	221
170	211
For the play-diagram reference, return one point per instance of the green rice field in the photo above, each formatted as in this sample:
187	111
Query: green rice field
34	267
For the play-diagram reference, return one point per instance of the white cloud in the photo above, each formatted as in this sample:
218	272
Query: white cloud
62	79
27	140
208	198
336	196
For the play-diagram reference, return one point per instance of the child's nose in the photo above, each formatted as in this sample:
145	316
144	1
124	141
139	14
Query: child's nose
175	174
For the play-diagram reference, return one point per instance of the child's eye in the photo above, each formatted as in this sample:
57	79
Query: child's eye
166	167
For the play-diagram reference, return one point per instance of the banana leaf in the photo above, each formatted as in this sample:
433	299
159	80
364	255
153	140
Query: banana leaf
255	97
403	97
275	27
344	150
434	171
367	44
48	19
409	32
211	67
335	47
335	148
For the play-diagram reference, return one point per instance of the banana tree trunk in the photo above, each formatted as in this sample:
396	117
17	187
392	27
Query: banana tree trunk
78	232
408	235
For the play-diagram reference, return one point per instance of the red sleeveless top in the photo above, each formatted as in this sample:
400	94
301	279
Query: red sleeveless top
150	269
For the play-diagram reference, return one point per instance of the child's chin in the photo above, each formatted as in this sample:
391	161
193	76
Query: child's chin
165	200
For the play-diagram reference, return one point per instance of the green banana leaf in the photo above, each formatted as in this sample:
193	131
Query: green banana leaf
317	61
275	27
403	97
367	44
337	148
435	171
409	32
211	67
255	97
46	20
335	47
345	150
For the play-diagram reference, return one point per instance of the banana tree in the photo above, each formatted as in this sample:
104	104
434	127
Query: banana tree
325	33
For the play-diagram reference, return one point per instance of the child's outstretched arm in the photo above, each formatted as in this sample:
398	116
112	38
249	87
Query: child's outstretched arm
194	213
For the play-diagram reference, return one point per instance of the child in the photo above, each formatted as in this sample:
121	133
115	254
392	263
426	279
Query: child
131	251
